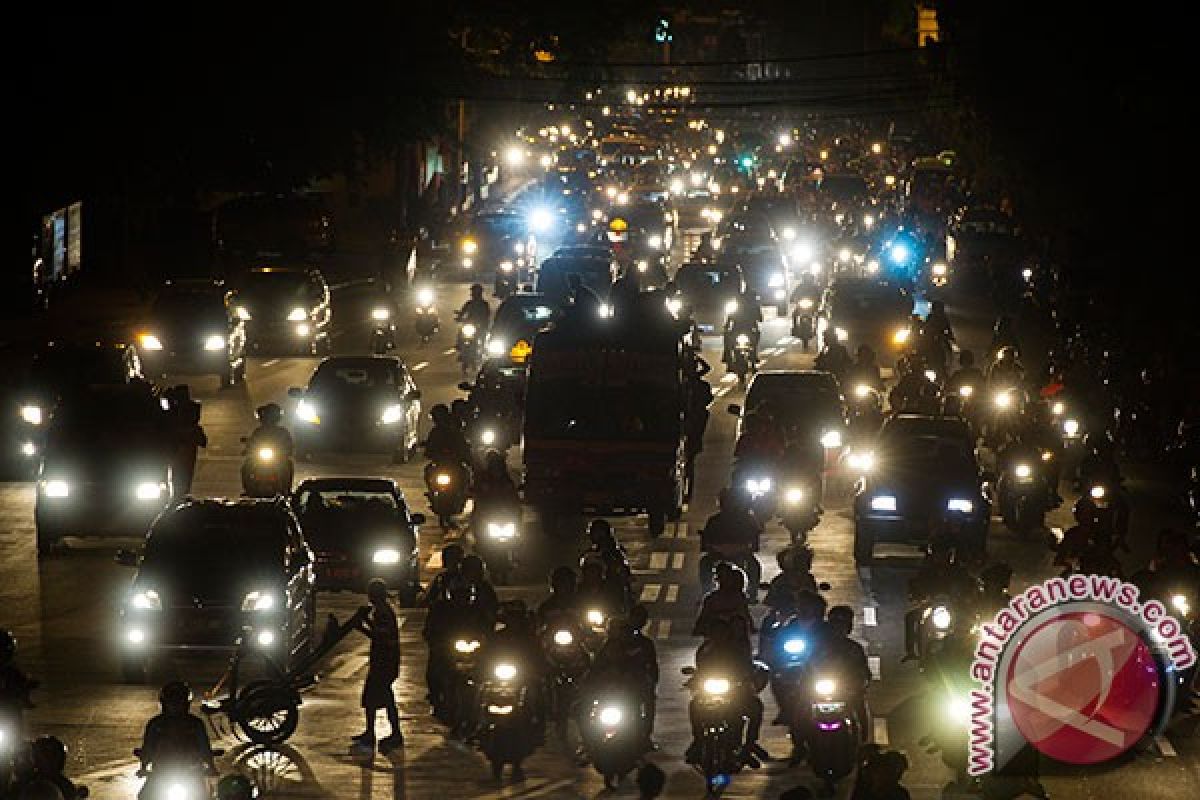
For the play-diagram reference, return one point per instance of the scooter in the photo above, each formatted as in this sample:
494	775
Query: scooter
506	729
446	488
470	348
383	333
425	320
497	532
722	727
803	324
835	732
569	660
613	732
266	472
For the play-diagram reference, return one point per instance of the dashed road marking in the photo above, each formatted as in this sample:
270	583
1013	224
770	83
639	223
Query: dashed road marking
270	362
869	615
879	731
664	630
672	593
678	560
1164	746
873	664
449	352
680	530
650	593
728	377
658	561
418	367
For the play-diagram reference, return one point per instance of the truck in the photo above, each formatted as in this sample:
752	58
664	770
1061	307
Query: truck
603	424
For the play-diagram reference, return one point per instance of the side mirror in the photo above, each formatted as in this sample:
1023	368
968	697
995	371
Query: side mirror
295	392
127	558
417	519
735	409
688	670
464	386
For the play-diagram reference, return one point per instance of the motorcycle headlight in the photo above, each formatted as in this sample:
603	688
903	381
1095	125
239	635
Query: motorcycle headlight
502	530
147	600
1098	492
177	791
794	496
845	255
868	221
731	307
862	462
610	716
794	647
789	233
29	449
303	329
32	414
674	306
803	251
386	556
258	601
470	246
861	391
654	241
425	297
806	303
297	314
742	340
506	266
380	314
960	505
468	331
242	313
56	488
392	414
595	618
716	686
150	342
1003	401
1058	409
1023	471
776	280
135	636
1047	456
831	440
883	502
149	490
1180	603
931	376
941	618
488	437
825	686
266	454
495	347
581	227
505	672
900	336
966	391
564	638
958	709
939	270
604	311
873	265
214	342
841	333
468	262
306	413
1071	427
266	638
466	646
442	479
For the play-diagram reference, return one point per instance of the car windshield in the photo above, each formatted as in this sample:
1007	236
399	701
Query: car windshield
59	367
935	452
346	501
523	313
866	302
499	225
188	305
195	546
274	285
693	278
795	403
356	375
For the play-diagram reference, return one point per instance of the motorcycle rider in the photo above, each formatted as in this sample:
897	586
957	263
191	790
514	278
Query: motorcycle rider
563	602
494	487
1006	370
795	576
627	656
940	573
733	534
456	613
726	602
445	442
834	357
1038	431
475	576
1004	335
185	435
15	685
476	311
914	392
48	762
1098	467
516	642
865	370
438	589
271	433
175	737
617	571
807	623
937	322
993	594
727	653
746	318
967	374
848	659
596	591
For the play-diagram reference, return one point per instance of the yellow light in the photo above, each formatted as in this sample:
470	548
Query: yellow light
266	454
469	246
442	479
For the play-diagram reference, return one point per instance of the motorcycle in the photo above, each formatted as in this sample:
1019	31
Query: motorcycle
457	704
799	511
755	482
188	781
446	488
803	322
470	348
835	732
866	412
1024	494
506	732
497	532
743	360
506	278
266	472
383	330
426	319
569	662
939	624
613	732
722	727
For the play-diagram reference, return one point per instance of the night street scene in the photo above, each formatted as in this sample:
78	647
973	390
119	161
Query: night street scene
528	400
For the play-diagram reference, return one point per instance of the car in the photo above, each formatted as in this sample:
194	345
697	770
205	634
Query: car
494	237
104	468
56	370
924	473
358	404
286	310
359	529
805	402
191	330
764	266
214	572
866	311
554	277
518	320
704	291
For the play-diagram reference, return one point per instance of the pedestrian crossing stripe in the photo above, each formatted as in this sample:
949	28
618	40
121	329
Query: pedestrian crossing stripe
664	630
672	593
658	561
650	593
873	664
678	560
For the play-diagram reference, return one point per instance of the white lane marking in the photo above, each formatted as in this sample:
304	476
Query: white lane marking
270	362
680	530
352	665
658	561
728	377
873	663
435	560
650	593
678	560
879	731
672	592
420	366
449	352
869	615
1164	746
664	630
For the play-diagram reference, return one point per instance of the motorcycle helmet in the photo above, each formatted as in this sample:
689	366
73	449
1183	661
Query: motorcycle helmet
600	532
175	695
638	617
49	754
236	787
476	291
440	414
563	580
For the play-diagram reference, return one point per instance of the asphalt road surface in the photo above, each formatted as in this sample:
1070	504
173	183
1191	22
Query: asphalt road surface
64	611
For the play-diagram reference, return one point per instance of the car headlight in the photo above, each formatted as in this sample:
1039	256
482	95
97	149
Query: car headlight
900	336
595	618
386	556
150	342
502	531
32	414
862	462
831	440
941	618
466	645
564	638
939	269
960	505
306	413
258	601
425	297
883	502
266	638
654	241
825	686
717	686
442	479
505	672
610	716
470	246
147	600
392	414
806	303
496	347
214	342
380	314
242	313
794	647
149	490
794	496
803	251
56	488
297	315
468	331
731	307
1002	401
776	280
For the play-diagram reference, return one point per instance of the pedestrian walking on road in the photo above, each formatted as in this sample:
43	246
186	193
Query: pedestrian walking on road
378	623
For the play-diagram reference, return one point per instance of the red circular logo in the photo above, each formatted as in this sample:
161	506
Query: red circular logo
1083	687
